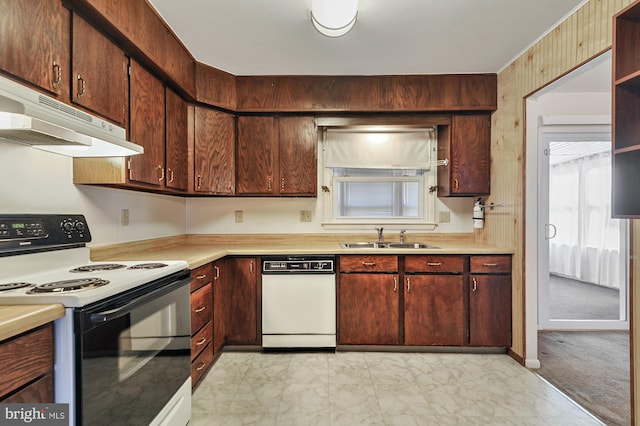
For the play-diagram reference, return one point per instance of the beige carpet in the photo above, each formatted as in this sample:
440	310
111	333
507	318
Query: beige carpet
592	368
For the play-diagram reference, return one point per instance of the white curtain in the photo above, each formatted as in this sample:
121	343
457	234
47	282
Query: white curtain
587	243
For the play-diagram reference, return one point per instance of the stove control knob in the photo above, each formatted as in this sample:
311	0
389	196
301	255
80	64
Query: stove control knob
79	226
67	226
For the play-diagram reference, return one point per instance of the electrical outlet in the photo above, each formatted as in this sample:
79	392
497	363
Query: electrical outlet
124	217
239	216
305	215
444	217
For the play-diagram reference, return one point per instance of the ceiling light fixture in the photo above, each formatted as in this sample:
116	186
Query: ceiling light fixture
334	18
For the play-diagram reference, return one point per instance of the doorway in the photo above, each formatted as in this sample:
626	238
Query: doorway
582	270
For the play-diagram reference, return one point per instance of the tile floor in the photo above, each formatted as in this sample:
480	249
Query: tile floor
378	388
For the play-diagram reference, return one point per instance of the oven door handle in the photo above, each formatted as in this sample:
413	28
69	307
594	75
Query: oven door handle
104	316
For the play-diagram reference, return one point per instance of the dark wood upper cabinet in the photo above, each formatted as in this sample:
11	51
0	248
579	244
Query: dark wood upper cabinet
176	137
473	92
466	144
257	152
298	155
214	159
147	127
35	37
626	110
277	156
99	77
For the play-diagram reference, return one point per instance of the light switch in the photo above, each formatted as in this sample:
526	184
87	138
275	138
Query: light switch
239	216
124	217
444	216
305	215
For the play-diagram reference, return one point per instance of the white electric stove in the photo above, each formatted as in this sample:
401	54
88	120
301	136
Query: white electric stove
126	324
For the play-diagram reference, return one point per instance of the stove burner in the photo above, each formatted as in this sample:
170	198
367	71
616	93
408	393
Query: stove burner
12	286
68	285
148	266
98	267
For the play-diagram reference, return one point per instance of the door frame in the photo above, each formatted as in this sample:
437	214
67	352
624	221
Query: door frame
553	128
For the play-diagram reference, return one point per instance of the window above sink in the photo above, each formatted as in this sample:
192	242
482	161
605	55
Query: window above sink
378	175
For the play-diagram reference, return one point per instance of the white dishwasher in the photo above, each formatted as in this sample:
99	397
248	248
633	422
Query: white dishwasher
298	302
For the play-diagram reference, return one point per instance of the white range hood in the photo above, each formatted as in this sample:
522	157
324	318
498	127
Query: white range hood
32	118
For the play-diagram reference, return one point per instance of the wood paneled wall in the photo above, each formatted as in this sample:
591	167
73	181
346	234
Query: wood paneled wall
582	36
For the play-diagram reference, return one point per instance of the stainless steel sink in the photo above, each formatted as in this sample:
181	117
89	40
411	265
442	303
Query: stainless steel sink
375	245
361	245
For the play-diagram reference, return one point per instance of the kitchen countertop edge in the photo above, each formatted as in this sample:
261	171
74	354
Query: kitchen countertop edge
198	251
17	319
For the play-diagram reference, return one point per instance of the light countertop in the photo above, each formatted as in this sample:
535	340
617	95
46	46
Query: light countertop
16	319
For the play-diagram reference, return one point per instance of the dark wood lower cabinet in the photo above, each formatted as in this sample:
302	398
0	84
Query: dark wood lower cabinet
434	310
242	323
368	309
490	310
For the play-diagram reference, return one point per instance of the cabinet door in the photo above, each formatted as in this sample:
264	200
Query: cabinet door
99	78
298	155
368	309
176	138
219	271
466	144
35	43
241	296
257	150
470	154
490	310
147	127
434	311
215	137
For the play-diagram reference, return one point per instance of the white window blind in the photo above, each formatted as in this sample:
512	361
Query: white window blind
407	149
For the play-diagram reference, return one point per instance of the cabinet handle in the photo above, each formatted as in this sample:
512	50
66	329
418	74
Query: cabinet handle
201	366
199	181
162	173
269	184
368	263
170	174
395	284
408	285
82	86
251	267
490	264
217	275
200	277
200	309
475	284
434	263
57	70
282	183
201	341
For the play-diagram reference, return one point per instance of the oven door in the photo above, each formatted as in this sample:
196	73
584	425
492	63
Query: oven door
133	353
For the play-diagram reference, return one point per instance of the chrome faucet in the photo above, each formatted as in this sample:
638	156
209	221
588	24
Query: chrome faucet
380	236
402	231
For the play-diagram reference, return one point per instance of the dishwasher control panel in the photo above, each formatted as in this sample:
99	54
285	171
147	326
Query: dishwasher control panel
298	265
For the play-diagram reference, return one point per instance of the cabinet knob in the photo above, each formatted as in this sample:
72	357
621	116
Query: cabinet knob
475	284
456	184
200	309
434	263
269	184
201	342
395	284
217	275
199	181
368	263
200	277
201	366
282	183
161	173
171	175
408	285
490	264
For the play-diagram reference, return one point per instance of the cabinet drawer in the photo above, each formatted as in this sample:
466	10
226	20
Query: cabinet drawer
201	307
450	264
40	391
201	339
490	264
25	358
368	263
201	364
201	276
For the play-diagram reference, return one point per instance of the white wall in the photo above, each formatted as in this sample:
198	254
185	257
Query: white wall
34	181
282	216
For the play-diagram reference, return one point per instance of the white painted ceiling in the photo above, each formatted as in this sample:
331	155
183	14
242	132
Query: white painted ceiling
276	37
